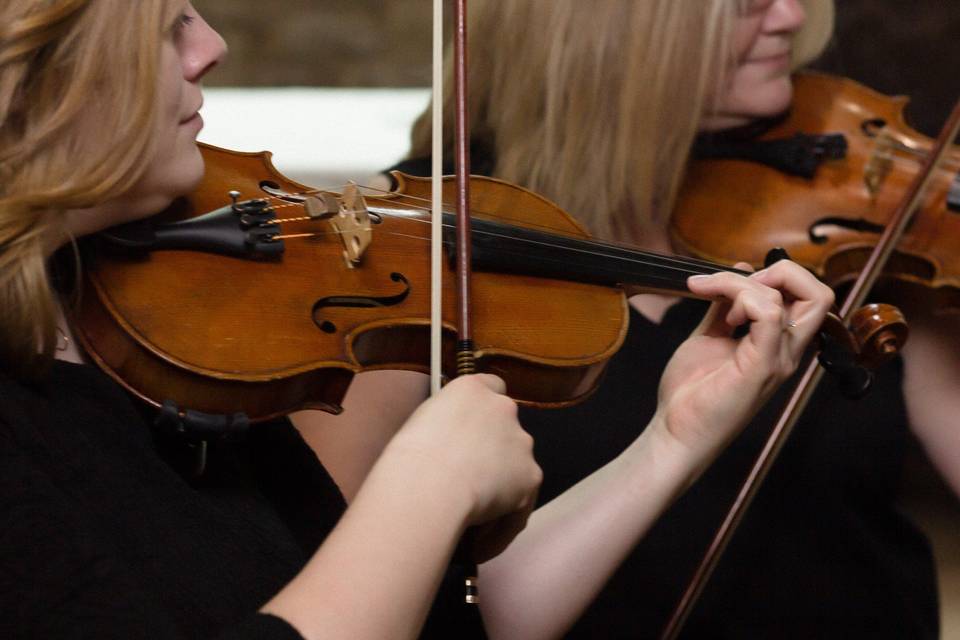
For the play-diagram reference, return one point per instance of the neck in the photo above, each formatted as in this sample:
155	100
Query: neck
509	249
652	306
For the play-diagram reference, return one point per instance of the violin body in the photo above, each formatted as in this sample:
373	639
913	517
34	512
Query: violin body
731	209
222	334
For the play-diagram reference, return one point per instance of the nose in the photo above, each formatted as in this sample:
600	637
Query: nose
203	51
785	16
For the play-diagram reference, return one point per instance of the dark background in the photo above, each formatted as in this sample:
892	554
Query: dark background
908	47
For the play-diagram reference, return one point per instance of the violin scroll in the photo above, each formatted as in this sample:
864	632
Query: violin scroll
880	331
876	333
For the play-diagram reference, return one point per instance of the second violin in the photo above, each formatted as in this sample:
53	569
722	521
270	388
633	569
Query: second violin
830	219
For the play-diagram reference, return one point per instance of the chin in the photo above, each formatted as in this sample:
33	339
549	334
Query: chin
187	175
773	99
193	167
155	196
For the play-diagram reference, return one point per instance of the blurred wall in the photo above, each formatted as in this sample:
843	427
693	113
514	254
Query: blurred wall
339	43
896	46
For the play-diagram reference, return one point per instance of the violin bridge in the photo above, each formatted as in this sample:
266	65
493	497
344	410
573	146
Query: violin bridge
880	163
352	225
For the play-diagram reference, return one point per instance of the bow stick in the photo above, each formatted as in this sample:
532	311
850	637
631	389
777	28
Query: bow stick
805	388
465	357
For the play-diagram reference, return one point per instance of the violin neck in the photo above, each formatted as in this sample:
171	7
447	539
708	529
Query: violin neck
505	248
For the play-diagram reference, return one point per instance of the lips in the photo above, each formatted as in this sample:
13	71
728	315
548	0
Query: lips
772	56
193	114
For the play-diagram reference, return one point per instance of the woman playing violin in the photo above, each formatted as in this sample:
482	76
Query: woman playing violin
598	107
103	537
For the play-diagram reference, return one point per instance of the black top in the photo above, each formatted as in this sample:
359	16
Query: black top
822	553
101	538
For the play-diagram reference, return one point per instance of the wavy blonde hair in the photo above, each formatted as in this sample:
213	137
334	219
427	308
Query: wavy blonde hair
596	104
77	107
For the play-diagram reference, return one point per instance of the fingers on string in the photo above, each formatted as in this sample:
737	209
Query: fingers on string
742	300
763	308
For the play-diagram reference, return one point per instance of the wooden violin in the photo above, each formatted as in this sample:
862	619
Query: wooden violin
847	186
828	214
259	295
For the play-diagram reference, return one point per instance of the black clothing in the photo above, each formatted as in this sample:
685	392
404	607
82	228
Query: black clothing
822	553
101	538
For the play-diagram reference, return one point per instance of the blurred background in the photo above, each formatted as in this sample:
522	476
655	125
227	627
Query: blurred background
909	47
331	86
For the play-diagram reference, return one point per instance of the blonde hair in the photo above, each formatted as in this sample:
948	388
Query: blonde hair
77	91
596	104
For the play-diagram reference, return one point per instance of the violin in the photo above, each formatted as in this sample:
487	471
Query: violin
260	296
853	157
861	198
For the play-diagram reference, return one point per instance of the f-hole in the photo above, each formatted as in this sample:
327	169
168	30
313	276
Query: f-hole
358	302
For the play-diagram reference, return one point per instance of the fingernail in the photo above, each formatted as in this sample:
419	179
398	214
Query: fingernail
697	277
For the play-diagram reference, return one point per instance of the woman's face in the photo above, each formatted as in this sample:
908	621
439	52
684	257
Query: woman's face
759	84
190	48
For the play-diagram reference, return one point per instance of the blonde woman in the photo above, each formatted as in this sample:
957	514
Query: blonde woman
100	536
597	105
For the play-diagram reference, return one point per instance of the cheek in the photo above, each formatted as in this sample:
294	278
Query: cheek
175	170
755	91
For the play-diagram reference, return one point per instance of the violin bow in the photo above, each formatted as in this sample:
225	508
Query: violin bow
466	362
811	377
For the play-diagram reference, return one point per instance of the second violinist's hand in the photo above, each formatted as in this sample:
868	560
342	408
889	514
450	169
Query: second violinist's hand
711	387
715	383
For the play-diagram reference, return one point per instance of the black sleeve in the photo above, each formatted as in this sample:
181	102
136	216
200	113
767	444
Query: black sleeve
261	626
59	580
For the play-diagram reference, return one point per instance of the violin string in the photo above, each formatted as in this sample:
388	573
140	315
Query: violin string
652	259
917	157
922	154
683	266
592	247
402	199
907	164
949	166
678	271
911	165
291	236
424	210
643	258
290	220
598	248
